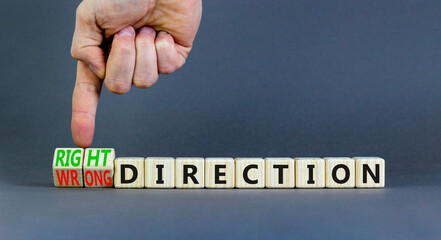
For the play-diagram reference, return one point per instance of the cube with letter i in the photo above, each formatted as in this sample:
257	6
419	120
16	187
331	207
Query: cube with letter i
310	172
98	167
159	172
67	167
369	172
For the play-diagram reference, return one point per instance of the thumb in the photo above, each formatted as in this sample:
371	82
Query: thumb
87	40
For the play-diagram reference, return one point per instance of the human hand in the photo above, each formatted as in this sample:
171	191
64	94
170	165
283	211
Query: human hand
137	53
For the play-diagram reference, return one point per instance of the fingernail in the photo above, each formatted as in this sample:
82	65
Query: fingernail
94	69
127	31
162	33
146	30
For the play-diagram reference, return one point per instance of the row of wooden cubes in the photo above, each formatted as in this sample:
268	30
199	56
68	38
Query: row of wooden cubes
93	167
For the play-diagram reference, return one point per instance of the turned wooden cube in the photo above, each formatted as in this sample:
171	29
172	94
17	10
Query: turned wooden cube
98	167
67	167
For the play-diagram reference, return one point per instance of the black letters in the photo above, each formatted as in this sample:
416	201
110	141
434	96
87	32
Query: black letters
334	173
123	173
191	175
366	170
280	167
159	180
218	174
245	174
311	174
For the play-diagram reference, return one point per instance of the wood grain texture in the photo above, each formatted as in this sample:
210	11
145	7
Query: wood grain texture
67	167
340	172
159	172
250	173
369	172
219	172
279	173
305	166
189	172
126	164
98	167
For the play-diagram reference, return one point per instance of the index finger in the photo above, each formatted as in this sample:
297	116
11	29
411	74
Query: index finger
84	103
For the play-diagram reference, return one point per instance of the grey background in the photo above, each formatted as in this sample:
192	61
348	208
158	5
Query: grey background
265	78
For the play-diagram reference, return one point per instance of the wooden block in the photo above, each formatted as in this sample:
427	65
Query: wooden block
189	173
310	172
67	167
219	172
369	172
159	172
250	173
129	172
340	172
279	173
98	167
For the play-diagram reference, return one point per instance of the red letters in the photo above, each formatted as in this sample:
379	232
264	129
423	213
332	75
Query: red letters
98	178
63	177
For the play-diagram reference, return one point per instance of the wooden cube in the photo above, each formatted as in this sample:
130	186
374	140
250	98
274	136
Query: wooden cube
98	167
250	173
340	172
279	173
219	172
189	172
129	172
67	167
310	172
160	172
369	172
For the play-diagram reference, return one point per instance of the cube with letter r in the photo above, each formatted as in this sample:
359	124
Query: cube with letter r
67	167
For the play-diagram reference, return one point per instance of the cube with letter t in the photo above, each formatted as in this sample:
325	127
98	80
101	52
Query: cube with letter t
67	167
129	172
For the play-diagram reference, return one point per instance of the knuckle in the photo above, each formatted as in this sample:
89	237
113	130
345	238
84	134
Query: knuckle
125	49
168	68
74	53
117	86
145	80
88	86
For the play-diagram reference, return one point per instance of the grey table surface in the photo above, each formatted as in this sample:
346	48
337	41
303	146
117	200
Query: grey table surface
265	78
